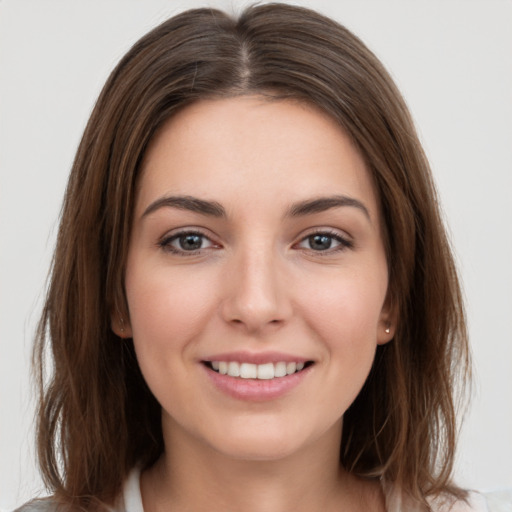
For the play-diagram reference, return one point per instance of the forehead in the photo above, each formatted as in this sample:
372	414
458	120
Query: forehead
254	148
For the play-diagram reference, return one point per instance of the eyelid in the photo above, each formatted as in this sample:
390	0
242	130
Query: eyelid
344	240
165	241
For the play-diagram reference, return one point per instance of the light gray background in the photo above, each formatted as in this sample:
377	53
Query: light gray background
452	60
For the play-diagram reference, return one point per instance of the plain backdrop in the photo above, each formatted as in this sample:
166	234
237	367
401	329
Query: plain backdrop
453	62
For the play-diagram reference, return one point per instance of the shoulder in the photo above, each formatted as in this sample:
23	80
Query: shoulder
39	505
129	500
498	501
50	504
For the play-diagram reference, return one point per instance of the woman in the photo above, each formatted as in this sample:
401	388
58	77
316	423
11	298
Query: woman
253	278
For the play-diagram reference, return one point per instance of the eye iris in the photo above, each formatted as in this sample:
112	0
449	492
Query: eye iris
190	242
320	242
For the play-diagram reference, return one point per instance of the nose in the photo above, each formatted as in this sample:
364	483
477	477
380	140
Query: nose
256	296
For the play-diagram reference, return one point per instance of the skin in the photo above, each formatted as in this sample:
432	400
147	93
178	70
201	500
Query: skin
258	282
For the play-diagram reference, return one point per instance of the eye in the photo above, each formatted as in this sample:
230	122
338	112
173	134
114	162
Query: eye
184	242
325	242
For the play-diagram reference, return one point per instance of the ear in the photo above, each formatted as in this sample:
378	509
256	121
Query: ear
120	325
388	320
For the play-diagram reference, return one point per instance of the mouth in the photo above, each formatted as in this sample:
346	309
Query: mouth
265	371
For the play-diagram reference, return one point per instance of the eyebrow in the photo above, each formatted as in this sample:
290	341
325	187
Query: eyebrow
323	204
193	204
215	209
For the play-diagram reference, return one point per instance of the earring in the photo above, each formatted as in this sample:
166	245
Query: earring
121	320
387	330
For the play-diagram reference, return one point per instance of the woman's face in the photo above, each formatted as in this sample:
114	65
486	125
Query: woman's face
256	250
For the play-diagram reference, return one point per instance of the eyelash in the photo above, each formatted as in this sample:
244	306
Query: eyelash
165	243
344	243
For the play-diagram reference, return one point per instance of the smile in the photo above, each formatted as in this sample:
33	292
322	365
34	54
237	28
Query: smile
266	371
258	376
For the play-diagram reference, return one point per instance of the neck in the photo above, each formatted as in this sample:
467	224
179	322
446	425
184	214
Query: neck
198	477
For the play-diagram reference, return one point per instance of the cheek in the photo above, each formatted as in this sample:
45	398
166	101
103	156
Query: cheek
343	315
165	303
350	305
168	311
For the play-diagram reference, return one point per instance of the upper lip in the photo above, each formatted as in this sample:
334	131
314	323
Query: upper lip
256	357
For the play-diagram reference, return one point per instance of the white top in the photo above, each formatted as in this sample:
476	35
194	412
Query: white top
500	501
132	500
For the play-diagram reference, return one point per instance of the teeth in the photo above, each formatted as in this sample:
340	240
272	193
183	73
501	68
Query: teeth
279	369
264	371
291	368
233	369
248	371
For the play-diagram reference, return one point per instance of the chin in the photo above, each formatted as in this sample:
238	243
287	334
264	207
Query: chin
264	441
258	448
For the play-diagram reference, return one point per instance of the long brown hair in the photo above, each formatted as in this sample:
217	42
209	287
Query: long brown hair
97	418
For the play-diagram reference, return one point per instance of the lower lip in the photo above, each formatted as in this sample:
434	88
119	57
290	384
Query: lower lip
256	390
